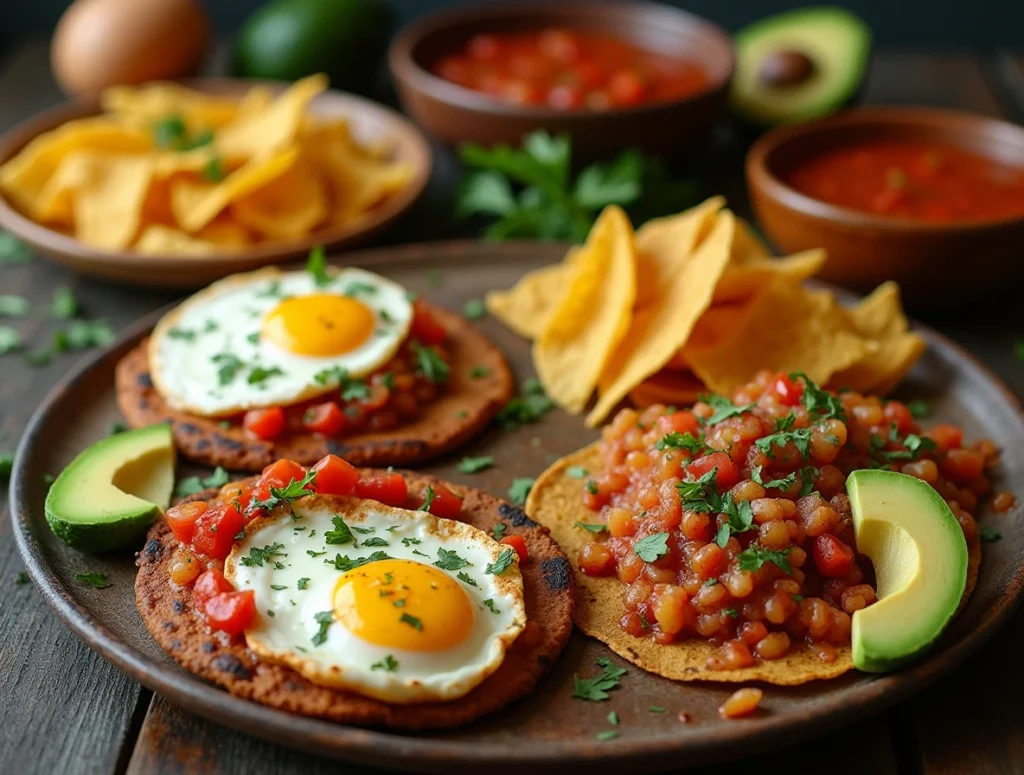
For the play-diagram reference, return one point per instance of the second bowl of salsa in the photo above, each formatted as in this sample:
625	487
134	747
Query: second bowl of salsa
611	75
931	198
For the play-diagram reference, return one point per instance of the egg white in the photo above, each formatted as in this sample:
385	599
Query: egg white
188	347
345	660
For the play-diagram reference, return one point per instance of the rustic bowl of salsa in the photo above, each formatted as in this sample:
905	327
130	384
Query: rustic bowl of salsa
931	198
611	75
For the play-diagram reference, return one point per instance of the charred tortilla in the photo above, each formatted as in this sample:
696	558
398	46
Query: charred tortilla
555	501
170	617
459	412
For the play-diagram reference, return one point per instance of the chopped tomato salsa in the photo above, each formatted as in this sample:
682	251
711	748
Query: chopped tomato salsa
570	70
918	180
731	522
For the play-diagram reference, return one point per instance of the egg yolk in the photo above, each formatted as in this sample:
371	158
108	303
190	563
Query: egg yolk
319	324
403	604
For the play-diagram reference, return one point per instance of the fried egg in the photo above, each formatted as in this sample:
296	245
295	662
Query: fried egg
393	604
269	338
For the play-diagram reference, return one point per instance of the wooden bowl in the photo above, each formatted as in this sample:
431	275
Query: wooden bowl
456	114
933	262
367	119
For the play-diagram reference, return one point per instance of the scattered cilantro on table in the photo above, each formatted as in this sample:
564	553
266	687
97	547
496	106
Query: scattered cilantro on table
13	250
519	489
94	579
596	689
474	309
13	306
473	465
190	485
529	192
529	407
988	534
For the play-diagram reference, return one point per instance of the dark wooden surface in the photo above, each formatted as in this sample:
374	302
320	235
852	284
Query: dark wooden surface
63	709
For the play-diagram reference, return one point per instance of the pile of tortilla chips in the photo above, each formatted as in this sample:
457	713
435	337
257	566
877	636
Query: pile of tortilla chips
693	303
167	170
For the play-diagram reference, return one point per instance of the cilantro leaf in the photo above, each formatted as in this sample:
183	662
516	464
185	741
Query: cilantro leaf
503	563
499	530
316	265
739	518
652	547
258	556
13	306
988	534
344	563
593	527
389	664
375	541
754	556
412	621
430	362
259	374
724	408
596	689
529	407
428	499
340	535
520	489
10	340
919	408
13	250
779	484
820	404
466	578
474	309
676	440
450	560
473	465
228	366
577	472
489	602
324	619
190	485
94	579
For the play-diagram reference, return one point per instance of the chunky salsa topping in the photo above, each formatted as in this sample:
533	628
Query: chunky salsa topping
207	532
911	179
730	521
570	70
392	395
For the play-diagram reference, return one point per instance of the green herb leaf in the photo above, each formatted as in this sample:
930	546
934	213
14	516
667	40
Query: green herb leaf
213	170
6	465
724	408
259	374
652	547
228	366
344	563
375	541
12	250
389	664
529	407
596	689
324	619
412	621
428	499
257	556
520	489
676	440
14	306
474	309
316	265
820	404
450	560
302	583
473	465
577	472
613	718
190	485
593	527
919	408
608	734
491	606
430	362
10	340
498	531
988	534
94	579
657	709
780	484
502	564
754	556
466	578
479	372
341	534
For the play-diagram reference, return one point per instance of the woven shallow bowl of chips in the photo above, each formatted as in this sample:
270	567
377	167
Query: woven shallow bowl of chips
370	124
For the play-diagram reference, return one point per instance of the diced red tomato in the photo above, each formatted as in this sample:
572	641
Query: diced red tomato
334	476
787	391
897	413
424	329
266	424
327	419
209	583
445	503
236	494
182	519
832	557
278	474
376	398
947	437
679	422
231	612
727	474
627	88
519	544
389	489
215	530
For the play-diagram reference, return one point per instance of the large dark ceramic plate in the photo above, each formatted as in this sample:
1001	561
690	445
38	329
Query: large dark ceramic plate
549	729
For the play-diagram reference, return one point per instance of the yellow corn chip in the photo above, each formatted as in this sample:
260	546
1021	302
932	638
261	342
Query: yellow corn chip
590	321
225	233
747	246
527	306
195	204
786	328
108	203
158	240
145	105
743	279
289	206
660	329
662	242
272	129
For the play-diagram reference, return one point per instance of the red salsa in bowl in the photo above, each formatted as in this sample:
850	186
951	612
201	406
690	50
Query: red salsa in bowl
916	179
570	70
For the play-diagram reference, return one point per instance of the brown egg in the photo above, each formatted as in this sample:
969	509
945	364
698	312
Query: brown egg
99	43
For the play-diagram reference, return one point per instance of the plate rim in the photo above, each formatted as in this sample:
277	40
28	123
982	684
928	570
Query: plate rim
397	748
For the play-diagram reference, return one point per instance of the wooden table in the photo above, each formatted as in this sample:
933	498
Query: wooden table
63	709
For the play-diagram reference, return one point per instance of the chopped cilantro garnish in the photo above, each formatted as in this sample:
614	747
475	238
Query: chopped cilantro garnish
94	579
190	485
613	718
356	287
184	334
472	465
316	265
520	489
732	613
302	583
479	372
292	492
754	556
591	487
228	367
593	527
491	606
375	541
344	563
258	556
412	621
596	689
529	407
428	499
389	664
675	440
499	530
503	563
780	484
259	374
919	408
988	534
724	408
474	309
799	438
10	340
13	306
448	559
341	534
657	709
464	577
324	619
820	404
278	587
608	734
410	541
739	519
652	547
364	530
429	361
576	472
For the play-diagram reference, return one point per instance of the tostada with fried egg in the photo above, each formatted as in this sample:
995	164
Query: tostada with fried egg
300	364
360	596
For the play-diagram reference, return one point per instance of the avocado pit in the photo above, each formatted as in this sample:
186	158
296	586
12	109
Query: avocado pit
786	68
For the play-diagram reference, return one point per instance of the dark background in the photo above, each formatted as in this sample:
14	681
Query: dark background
965	25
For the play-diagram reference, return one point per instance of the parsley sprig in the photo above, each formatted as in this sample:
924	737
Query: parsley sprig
596	689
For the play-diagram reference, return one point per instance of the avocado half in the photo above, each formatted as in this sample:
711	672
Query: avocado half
920	556
111	492
799	65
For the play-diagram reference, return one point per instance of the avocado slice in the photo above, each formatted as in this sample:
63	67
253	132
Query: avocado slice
112	491
920	556
798	65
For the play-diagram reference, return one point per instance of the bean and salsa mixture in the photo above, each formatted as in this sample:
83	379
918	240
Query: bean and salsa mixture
381	402
919	180
730	521
570	70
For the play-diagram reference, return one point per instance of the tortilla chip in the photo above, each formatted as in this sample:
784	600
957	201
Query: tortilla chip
669	388
287	207
195	204
742	280
24	177
659	330
225	233
664	244
160	240
748	246
274	128
785	328
593	316
108	204
144	105
556	502
527	306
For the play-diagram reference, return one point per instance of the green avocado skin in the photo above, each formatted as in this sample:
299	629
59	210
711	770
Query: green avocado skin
289	39
102	536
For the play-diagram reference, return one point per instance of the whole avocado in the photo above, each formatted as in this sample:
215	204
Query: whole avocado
288	39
